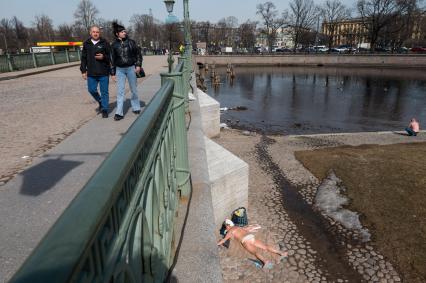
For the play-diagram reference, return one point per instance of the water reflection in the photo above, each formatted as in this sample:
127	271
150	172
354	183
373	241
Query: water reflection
317	99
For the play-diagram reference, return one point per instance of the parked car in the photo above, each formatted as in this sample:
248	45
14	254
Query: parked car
402	50
381	50
321	48
344	49
283	50
418	49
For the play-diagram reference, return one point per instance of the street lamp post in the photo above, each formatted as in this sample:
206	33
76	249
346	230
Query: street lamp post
170	20
187	29
187	24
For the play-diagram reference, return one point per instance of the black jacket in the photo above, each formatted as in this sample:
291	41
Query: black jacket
89	63
125	53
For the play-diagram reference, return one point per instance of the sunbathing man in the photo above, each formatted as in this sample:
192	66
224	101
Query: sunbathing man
248	241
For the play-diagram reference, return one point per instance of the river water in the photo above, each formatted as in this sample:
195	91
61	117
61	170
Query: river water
305	100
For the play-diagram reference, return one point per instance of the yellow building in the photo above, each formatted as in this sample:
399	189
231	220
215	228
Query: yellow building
354	33
347	32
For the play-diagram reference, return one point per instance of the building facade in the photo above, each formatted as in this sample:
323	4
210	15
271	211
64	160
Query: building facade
353	32
347	32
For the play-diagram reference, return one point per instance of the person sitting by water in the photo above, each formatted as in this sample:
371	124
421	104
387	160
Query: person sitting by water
249	242
413	128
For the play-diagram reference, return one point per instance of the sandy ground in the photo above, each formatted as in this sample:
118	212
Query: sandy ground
39	111
320	250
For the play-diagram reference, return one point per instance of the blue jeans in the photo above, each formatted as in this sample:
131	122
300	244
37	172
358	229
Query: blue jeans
410	132
122	74
92	85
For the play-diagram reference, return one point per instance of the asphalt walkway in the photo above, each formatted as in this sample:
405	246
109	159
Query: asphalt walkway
32	201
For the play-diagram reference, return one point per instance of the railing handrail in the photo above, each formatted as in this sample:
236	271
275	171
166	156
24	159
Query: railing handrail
61	250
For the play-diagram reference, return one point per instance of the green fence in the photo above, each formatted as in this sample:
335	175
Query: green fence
120	227
18	62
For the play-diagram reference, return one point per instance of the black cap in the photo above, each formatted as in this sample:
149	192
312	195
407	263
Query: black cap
117	28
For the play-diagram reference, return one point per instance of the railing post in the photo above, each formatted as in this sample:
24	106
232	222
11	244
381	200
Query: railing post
186	77
182	163
67	55
52	56
9	62
34	60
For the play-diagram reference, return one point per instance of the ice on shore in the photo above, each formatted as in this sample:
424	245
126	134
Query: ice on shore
330	201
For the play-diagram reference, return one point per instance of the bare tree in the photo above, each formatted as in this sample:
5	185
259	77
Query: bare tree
147	30
6	31
86	13
221	31
410	16
271	21
248	34
44	28
228	31
21	33
106	29
382	17
231	22
302	18
65	32
200	32
333	13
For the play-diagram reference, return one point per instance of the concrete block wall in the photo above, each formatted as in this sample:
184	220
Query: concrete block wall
228	176
210	114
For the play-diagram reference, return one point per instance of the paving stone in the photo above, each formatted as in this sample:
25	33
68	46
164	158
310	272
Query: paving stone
370	272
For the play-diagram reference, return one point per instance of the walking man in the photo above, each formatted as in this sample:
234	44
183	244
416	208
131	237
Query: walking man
96	67
249	242
126	62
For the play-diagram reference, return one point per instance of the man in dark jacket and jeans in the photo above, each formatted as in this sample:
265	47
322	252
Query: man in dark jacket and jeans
126	62
96	67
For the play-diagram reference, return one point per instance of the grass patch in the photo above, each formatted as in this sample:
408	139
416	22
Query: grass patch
387	185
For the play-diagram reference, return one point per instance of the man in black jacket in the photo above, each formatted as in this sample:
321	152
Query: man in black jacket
96	67
126	63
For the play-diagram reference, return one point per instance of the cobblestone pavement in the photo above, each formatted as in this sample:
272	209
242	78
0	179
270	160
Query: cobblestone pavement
39	111
307	260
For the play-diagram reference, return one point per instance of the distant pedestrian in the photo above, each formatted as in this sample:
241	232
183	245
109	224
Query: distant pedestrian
126	62
96	67
413	128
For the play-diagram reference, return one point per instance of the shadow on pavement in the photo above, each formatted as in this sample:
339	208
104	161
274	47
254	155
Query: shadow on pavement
127	105
42	177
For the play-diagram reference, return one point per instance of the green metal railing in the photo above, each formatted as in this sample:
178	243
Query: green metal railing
119	228
18	62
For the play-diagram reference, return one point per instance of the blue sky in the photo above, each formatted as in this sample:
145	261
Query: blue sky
62	11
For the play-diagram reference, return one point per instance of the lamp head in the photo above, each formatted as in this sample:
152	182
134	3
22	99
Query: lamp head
169	5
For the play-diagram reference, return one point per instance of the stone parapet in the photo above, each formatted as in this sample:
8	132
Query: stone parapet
344	60
210	114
